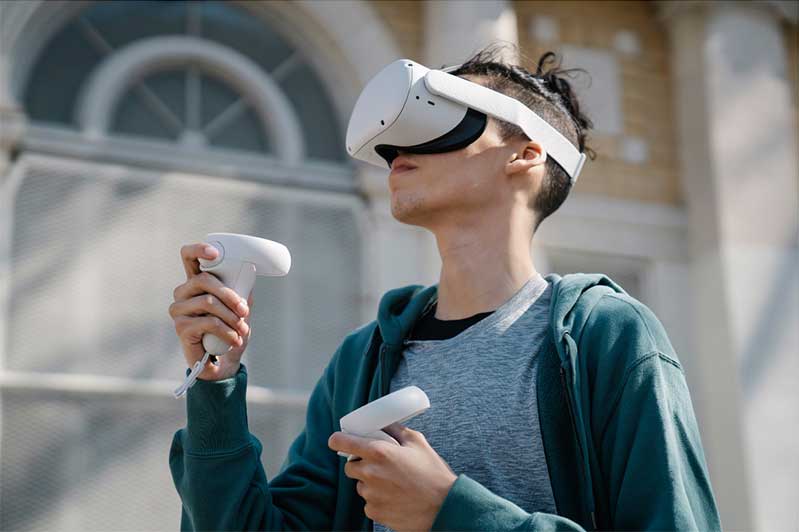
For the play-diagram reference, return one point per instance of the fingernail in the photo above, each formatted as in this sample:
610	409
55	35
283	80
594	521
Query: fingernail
210	251
241	308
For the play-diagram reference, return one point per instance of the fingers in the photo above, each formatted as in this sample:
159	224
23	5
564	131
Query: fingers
358	470
193	329
403	434
206	283
360	446
191	252
210	305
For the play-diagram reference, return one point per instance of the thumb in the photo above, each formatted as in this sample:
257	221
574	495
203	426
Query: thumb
402	434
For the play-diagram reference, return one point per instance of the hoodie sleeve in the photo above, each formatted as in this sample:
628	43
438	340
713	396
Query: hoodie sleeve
216	467
652	473
656	477
471	506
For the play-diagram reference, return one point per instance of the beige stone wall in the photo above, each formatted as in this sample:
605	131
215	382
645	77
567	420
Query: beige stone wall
405	18
647	100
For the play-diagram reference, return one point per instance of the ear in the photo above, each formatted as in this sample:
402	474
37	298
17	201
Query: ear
532	155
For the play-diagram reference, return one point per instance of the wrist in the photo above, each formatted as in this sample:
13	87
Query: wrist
443	487
224	370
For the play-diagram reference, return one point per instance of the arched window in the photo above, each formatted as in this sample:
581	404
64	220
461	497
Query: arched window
184	95
151	124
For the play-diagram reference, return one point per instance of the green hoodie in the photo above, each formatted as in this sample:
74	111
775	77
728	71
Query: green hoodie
621	441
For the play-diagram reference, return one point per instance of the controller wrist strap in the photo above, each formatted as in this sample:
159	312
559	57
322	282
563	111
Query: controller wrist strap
191	378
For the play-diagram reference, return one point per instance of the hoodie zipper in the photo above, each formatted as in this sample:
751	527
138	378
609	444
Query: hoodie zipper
382	361
570	408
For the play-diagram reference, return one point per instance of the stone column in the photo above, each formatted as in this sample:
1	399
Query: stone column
737	139
455	29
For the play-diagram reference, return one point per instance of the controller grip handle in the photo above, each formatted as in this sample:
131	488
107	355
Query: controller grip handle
242	285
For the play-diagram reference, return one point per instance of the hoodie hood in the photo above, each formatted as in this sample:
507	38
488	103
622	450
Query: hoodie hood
566	315
400	308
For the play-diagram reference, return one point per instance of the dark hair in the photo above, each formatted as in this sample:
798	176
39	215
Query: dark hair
550	95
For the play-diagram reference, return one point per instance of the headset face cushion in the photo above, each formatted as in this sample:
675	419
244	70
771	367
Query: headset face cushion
467	131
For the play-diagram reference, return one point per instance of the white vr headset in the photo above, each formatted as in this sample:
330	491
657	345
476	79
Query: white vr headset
408	107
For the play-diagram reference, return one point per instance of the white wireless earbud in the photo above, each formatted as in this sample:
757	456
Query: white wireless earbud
241	258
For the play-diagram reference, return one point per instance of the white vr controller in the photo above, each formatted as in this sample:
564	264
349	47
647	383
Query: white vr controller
369	420
241	258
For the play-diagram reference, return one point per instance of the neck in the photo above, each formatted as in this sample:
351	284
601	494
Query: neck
482	265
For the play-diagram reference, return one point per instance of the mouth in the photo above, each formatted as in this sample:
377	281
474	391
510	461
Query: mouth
402	169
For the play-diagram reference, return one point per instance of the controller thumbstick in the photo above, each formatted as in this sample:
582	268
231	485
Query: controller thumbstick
210	263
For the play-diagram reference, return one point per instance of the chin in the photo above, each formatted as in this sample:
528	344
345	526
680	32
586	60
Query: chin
408	208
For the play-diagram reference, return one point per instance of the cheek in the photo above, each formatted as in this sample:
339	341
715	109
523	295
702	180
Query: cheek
444	181
474	185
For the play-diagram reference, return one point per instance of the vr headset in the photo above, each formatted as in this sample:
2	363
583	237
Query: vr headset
410	108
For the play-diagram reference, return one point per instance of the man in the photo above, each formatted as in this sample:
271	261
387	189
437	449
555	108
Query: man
557	403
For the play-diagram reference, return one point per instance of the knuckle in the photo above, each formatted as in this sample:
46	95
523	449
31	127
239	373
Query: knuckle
378	451
180	325
208	302
368	510
375	513
194	281
368	472
231	296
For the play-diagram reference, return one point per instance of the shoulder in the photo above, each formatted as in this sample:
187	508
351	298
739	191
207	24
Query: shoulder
353	348
625	353
361	334
350	358
619	333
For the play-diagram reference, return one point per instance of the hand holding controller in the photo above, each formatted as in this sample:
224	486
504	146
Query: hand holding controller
396	407
239	259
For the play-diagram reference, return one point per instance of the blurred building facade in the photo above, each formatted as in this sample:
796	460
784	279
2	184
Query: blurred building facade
129	128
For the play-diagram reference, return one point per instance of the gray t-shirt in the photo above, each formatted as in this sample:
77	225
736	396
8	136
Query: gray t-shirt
483	416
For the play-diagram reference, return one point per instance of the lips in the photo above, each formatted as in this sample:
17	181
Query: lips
402	168
401	164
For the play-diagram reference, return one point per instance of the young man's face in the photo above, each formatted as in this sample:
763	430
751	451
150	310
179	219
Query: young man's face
457	184
454	183
470	185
